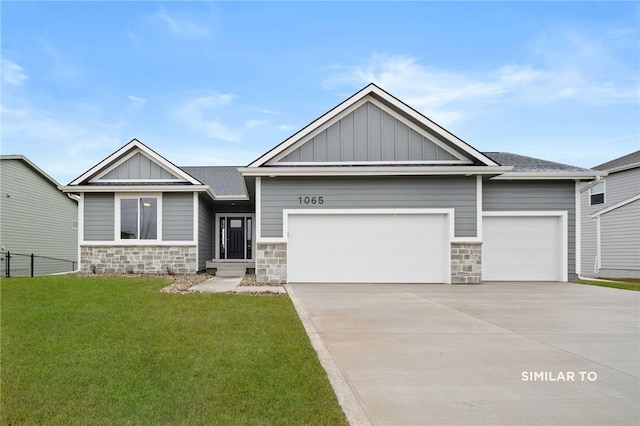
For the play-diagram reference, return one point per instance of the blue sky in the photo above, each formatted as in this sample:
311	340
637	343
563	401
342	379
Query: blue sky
220	83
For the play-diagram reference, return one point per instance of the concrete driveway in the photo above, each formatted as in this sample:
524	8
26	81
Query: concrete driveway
491	354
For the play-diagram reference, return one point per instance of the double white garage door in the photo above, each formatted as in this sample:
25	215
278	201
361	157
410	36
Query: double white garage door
368	248
413	247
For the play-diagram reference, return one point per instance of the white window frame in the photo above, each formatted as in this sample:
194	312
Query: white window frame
604	193
117	216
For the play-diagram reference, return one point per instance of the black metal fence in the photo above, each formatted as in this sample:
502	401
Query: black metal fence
29	265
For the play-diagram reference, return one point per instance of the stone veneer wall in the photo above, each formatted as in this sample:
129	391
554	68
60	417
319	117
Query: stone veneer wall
466	263
271	263
139	259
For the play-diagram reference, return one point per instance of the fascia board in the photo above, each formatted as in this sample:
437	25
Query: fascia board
623	168
373	171
615	206
135	188
548	175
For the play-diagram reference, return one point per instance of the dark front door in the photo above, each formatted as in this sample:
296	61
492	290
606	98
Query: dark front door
235	238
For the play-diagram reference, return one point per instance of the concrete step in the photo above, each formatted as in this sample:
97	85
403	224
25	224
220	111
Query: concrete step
231	271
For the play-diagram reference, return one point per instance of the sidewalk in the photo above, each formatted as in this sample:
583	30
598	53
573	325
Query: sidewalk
232	285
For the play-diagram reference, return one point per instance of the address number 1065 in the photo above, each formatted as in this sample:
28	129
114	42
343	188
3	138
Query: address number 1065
311	200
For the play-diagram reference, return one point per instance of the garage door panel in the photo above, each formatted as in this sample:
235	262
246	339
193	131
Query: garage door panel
522	248
367	248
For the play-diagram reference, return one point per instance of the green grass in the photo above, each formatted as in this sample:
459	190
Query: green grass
625	285
112	351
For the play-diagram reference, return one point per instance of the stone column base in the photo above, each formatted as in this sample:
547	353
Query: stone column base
271	263
466	263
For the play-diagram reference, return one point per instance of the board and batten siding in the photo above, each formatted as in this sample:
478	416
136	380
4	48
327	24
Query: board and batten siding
138	167
359	136
99	216
364	192
36	218
535	196
205	232
177	216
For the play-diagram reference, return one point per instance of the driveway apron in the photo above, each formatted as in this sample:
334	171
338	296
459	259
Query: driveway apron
490	354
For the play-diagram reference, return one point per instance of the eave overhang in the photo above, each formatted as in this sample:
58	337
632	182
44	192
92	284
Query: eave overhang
373	171
77	189
549	175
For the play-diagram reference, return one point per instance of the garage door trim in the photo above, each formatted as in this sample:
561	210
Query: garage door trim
564	238
448	214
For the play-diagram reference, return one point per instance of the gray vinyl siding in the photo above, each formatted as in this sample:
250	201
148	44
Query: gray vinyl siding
99	220
618	228
375	192
139	167
359	135
620	242
205	232
535	196
177	216
35	217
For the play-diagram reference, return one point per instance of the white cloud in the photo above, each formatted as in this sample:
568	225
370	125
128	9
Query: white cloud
256	123
13	73
135	103
180	26
196	113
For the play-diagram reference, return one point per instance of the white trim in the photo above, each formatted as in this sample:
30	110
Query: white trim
385	97
591	184
564	218
370	163
548	175
616	206
448	212
133	144
604	192
258	208
80	229
623	168
118	197
196	227
216	236
136	188
479	202
336	118
598	259
124	159
578	220
402	170
122	243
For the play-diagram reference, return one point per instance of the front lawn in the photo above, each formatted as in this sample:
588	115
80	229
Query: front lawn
627	284
105	350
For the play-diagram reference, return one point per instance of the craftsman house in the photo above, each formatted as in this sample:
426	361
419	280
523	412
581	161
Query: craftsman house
372	191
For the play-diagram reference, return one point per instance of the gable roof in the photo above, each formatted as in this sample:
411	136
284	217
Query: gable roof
109	164
32	165
373	94
629	161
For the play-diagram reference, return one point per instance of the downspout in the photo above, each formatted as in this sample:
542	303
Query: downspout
598	261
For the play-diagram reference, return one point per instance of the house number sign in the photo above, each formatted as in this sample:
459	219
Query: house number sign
311	200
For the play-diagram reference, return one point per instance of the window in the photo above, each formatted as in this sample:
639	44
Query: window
139	218
596	194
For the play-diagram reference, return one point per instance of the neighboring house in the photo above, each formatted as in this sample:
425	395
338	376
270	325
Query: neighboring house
610	209
35	217
372	191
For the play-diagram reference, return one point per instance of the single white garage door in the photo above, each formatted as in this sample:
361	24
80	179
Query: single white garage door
523	248
368	248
